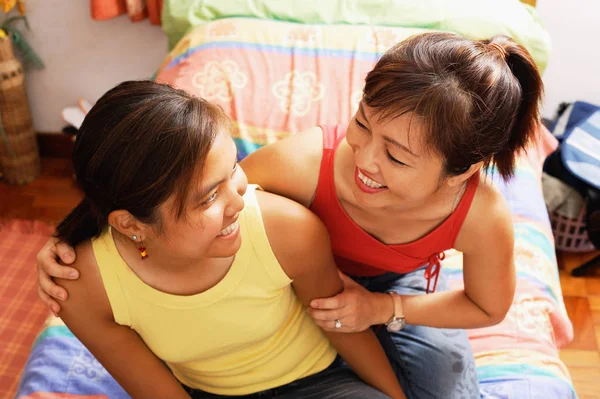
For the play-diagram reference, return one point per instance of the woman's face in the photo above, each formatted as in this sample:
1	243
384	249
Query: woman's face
393	166
208	227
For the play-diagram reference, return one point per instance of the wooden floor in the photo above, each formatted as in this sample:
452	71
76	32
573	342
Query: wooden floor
582	299
50	198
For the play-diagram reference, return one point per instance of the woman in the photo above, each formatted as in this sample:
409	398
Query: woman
403	182
186	273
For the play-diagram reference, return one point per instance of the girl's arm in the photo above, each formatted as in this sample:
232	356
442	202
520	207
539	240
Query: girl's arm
487	243
119	349
301	244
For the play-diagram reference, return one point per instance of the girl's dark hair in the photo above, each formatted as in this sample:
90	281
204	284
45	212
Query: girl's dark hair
141	143
478	100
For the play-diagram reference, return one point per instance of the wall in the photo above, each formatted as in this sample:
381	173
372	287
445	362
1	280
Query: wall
573	69
83	57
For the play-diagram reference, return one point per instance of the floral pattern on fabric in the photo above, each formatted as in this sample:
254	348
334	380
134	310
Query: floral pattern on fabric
216	81
297	91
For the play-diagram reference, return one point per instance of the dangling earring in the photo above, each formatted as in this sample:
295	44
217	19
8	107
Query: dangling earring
141	248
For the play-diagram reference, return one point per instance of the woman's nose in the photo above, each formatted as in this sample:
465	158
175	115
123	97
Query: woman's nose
366	158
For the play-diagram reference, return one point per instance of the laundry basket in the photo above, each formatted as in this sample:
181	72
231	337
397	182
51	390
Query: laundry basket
570	235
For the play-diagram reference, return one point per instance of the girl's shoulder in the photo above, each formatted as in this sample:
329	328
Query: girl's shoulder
88	290
295	234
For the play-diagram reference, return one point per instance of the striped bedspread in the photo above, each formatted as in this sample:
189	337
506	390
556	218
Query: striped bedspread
276	78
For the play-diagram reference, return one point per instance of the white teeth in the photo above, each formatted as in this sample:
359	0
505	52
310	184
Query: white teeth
369	182
229	229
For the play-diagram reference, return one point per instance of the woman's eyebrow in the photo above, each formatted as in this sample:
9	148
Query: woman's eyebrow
399	145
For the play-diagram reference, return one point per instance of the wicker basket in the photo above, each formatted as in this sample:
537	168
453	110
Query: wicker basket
19	157
570	235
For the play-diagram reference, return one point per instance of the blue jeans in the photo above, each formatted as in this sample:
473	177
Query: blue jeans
429	362
335	382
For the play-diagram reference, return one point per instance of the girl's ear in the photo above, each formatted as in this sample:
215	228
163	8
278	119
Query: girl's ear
126	224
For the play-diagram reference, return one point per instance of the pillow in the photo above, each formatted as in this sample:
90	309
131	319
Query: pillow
476	19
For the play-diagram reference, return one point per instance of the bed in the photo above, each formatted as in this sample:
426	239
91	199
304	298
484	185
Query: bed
278	70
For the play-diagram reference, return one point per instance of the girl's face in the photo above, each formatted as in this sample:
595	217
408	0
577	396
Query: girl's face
393	166
208	227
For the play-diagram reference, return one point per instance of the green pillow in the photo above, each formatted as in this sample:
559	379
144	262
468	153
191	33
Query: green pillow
477	19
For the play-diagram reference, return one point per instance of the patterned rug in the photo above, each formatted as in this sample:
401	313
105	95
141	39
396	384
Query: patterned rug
21	313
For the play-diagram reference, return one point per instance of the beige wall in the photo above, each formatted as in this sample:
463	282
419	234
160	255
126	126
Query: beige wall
84	57
573	71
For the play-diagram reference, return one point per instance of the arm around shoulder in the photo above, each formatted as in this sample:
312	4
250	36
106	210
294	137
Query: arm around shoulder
289	167
119	349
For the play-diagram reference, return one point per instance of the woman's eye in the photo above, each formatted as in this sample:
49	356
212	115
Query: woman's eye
211	198
360	125
394	160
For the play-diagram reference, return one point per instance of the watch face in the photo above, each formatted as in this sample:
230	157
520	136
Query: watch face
395	325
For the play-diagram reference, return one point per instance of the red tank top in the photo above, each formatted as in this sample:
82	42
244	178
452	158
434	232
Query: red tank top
359	254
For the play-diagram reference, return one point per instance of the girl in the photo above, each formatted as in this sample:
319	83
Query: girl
186	274
403	182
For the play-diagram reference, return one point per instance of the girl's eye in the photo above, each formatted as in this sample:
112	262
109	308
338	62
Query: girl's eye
211	198
394	160
235	168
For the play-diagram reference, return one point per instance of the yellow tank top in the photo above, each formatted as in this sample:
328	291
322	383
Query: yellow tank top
247	334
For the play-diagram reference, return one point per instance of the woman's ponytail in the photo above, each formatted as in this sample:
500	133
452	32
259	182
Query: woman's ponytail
525	125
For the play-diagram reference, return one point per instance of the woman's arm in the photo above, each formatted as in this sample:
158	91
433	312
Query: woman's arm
301	244
487	242
119	349
289	167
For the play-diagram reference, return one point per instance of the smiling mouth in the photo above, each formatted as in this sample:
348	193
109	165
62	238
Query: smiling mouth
228	230
369	182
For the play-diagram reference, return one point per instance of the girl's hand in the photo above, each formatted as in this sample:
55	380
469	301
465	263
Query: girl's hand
48	267
356	308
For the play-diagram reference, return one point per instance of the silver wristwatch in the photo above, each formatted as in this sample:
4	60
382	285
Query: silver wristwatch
396	323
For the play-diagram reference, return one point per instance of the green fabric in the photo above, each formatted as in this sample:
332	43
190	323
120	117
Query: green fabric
477	19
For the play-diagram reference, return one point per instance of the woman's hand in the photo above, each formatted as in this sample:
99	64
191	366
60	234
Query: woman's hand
48	267
356	308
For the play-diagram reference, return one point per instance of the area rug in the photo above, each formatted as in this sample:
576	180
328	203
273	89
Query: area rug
21	313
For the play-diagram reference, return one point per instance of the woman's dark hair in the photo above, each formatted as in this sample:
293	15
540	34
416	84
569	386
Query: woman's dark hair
478	100
141	143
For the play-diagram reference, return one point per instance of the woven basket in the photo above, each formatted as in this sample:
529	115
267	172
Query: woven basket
570	235
19	157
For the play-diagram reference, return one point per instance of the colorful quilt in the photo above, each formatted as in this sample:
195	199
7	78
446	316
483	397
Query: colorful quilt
277	78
